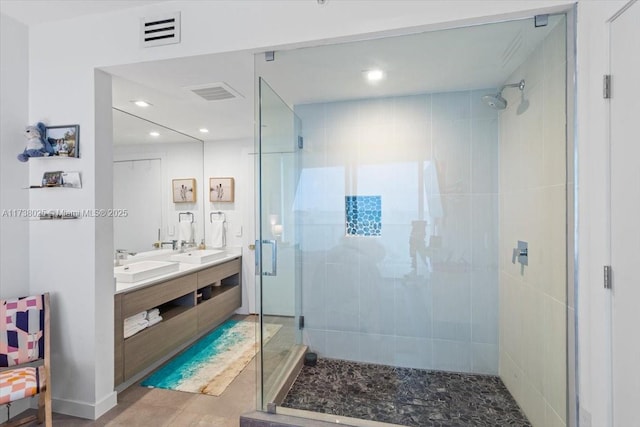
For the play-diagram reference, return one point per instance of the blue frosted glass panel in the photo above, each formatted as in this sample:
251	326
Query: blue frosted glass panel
363	215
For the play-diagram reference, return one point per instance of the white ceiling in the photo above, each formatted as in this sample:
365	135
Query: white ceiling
133	130
39	11
164	85
475	57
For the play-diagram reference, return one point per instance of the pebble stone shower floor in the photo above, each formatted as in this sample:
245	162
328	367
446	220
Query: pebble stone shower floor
404	396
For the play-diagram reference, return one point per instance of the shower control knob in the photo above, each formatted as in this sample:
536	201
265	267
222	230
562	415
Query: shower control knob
521	253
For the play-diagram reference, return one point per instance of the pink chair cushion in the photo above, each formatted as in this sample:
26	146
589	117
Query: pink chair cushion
19	383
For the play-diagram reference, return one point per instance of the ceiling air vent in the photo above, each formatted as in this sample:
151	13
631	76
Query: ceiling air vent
160	30
215	91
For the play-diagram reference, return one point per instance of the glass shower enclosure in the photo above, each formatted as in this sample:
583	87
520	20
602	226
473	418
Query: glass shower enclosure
279	288
422	225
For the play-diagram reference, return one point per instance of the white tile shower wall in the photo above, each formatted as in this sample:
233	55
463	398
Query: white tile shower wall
532	208
362	299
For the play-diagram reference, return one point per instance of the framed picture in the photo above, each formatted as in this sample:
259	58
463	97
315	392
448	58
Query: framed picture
52	179
221	189
184	190
65	140
71	179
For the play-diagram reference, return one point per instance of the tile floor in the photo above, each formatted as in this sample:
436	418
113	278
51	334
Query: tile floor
404	396
142	407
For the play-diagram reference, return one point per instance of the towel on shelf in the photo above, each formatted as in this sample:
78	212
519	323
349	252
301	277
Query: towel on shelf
135	328
136	317
218	239
153	320
156	319
155	312
185	230
143	324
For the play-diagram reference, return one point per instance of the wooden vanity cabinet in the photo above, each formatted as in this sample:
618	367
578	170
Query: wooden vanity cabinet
190	306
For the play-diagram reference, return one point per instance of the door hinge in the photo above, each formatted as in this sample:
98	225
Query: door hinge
300	142
301	322
541	20
606	86
607	277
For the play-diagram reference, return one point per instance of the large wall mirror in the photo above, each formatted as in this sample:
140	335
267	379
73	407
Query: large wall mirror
149	160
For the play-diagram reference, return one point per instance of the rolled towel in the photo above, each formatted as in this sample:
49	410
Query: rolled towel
155	320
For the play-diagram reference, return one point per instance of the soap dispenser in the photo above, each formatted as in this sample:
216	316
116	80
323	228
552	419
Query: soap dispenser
202	245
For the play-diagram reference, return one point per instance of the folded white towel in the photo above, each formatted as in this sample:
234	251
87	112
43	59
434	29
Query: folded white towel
136	327
136	317
217	234
153	312
155	320
132	330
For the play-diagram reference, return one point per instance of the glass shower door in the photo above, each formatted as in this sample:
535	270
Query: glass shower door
279	291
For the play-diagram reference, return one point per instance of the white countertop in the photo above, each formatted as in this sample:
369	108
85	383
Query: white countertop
184	268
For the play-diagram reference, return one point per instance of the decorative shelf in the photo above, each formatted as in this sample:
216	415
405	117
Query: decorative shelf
58	217
38	187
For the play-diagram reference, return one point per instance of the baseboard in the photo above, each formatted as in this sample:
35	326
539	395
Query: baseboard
83	409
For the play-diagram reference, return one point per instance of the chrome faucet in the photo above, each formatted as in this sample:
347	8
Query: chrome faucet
122	254
186	245
173	243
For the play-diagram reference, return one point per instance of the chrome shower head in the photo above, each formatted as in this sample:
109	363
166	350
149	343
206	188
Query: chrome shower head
497	101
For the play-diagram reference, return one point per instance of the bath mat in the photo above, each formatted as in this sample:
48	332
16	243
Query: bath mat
212	362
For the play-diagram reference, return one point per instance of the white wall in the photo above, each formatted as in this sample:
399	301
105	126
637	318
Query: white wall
14	230
92	42
430	157
233	159
533	299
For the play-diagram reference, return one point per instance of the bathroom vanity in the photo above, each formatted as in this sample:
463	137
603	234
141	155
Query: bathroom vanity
192	301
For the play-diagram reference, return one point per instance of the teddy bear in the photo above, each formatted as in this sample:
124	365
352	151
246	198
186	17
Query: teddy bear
37	144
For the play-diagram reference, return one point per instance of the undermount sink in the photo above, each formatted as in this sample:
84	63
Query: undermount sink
200	256
142	270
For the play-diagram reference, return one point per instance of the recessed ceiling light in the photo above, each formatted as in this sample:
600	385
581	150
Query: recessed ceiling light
154	133
204	130
374	75
141	103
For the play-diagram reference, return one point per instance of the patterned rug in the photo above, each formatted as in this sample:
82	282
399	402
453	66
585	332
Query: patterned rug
212	362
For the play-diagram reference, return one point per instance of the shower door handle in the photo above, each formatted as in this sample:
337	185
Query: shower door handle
274	256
